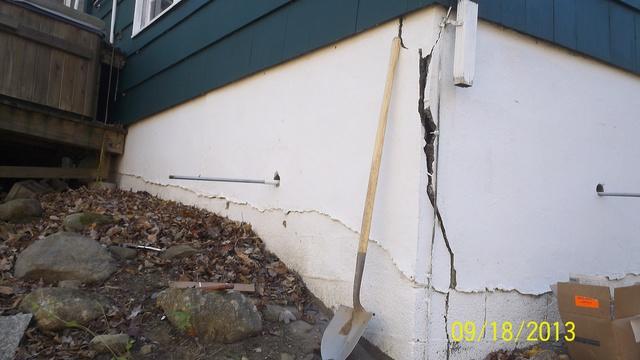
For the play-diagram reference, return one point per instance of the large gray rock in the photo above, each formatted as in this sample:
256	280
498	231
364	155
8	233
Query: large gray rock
179	251
117	343
65	256
58	308
28	189
11	330
19	210
214	317
80	221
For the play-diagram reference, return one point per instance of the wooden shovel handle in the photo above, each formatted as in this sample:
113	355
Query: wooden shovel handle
373	175
377	150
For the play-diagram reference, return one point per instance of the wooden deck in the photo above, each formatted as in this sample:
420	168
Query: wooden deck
50	65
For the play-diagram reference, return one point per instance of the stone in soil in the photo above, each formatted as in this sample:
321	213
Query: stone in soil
81	221
65	256
102	185
123	253
59	308
11	330
20	210
545	355
214	317
28	189
179	251
5	230
307	336
146	349
117	343
286	356
277	313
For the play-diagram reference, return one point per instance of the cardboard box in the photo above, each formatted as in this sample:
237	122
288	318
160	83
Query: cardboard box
607	320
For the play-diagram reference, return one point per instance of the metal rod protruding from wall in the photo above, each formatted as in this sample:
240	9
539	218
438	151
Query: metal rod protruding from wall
600	191
274	182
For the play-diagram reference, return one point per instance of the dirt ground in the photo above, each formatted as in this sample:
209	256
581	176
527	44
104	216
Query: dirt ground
229	252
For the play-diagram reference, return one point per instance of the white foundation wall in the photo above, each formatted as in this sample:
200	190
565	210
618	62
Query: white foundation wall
313	120
520	154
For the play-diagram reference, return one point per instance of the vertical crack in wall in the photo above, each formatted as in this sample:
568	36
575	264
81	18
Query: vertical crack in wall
401	22
430	133
446	323
430	150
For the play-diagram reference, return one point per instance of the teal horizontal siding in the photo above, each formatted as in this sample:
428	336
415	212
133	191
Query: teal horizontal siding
602	29
201	45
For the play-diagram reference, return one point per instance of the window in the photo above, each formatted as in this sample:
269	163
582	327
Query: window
147	11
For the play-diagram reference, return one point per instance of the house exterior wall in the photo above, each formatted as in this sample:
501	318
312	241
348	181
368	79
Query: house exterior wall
313	120
518	157
520	154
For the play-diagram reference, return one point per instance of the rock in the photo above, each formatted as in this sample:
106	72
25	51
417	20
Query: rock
102	185
6	230
178	251
277	313
563	357
20	210
11	330
65	256
285	356
123	252
545	355
146	349
58	308
299	328
306	335
28	189
117	343
213	317
80	221
69	284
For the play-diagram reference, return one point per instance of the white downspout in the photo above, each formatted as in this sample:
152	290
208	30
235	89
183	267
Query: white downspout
114	12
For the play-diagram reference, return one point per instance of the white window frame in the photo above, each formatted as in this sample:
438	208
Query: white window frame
142	14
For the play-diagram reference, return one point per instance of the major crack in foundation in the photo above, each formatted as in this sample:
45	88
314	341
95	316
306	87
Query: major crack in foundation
430	134
413	283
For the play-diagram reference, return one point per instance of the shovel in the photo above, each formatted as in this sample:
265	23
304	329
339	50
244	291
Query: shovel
348	324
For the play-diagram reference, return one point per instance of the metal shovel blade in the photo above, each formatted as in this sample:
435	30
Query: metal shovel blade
343	332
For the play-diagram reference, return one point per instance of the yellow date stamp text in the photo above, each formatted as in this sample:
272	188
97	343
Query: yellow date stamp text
534	331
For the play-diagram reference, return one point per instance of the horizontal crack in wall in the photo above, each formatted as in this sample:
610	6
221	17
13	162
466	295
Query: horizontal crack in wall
412	282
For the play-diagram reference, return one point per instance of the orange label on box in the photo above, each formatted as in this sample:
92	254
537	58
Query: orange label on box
587	302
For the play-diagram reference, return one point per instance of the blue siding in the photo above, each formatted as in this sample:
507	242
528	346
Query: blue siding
637	44
512	14
623	43
593	28
564	21
602	29
201	45
539	18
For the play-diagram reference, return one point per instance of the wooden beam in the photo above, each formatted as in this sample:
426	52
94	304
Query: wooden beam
53	127
33	172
